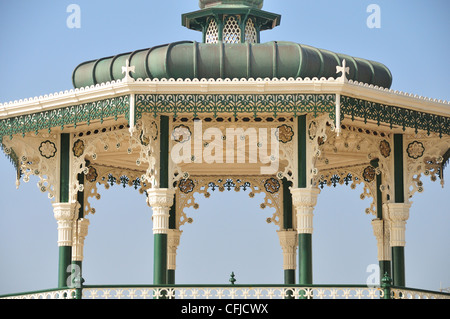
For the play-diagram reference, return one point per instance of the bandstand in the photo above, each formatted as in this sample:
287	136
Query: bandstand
282	119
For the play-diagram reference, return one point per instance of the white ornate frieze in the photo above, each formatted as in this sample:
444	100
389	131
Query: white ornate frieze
36	154
424	154
205	185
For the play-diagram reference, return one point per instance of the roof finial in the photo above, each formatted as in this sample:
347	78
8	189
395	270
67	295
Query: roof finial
344	69
127	69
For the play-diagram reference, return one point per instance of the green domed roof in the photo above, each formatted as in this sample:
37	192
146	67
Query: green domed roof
189	60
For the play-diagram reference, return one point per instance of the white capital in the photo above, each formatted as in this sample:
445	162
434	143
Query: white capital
64	214
288	242
381	232
304	201
173	240
398	214
81	228
160	200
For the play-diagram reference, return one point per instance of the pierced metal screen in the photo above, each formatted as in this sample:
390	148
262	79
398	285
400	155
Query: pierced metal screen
250	32
231	31
212	33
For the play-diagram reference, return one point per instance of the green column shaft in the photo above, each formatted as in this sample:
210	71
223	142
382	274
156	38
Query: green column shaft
164	152
160	259
287	205
65	260
398	169
305	258
301	140
398	253
398	266
65	252
64	168
171	276
289	276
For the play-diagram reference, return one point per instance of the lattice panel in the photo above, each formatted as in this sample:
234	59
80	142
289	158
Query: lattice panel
250	32
231	31
212	33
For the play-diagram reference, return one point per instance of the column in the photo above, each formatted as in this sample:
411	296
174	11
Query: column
398	214
380	227
381	232
288	236
304	201
64	214
160	200
81	228
288	242
173	240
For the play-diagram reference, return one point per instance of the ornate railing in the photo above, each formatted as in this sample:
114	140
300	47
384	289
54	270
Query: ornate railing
69	293
232	292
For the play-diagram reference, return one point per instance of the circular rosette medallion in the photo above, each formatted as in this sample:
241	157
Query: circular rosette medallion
415	149
47	149
78	148
369	173
272	185
91	175
284	133
186	185
385	148
181	134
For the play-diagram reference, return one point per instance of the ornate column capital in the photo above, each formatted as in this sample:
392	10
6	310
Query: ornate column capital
160	200
81	229
64	214
381	232
398	214
304	201
173	240
288	242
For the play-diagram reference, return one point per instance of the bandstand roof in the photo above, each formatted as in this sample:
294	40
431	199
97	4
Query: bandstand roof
294	78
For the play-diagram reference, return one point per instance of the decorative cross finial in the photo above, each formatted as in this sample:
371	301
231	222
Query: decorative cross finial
343	69
127	69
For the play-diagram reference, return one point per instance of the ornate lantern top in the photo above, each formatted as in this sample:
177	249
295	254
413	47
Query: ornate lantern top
230	21
223	3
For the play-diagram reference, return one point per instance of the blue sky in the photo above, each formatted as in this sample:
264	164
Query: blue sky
38	53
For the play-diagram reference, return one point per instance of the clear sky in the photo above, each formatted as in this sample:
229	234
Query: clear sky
38	53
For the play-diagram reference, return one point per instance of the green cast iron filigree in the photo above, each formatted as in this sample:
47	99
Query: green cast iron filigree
72	115
234	104
393	115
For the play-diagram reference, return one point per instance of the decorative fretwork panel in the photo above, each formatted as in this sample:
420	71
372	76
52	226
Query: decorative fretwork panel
425	155
204	185
393	115
266	141
212	33
251	36
255	104
231	31
35	154
86	112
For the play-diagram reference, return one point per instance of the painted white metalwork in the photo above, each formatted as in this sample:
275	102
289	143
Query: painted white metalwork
56	294
229	292
397	293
